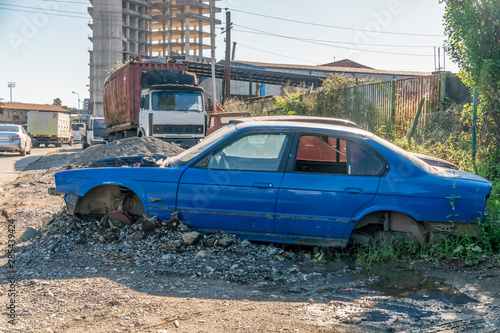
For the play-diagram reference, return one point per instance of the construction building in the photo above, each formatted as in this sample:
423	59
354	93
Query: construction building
124	29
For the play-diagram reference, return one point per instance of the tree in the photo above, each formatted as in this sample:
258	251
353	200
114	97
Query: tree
57	102
473	42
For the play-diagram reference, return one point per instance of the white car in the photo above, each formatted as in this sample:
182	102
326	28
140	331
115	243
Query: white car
76	131
13	138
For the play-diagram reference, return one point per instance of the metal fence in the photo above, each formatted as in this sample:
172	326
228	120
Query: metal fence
393	104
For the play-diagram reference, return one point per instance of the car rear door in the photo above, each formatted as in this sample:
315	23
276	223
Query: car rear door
328	178
235	186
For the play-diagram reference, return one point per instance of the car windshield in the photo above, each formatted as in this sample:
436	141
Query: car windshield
404	153
193	152
9	128
99	128
177	101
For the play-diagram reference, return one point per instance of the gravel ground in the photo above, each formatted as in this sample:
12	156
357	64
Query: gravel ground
144	146
92	273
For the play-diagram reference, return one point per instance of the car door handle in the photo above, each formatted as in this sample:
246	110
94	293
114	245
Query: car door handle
354	190
263	185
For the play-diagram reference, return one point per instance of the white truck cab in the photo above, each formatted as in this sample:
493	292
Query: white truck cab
173	114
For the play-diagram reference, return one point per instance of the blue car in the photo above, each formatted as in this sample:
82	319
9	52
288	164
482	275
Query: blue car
289	182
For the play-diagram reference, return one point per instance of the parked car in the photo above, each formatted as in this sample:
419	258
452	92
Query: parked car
76	131
291	182
13	138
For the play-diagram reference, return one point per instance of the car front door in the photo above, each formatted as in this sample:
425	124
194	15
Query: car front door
328	179
235	186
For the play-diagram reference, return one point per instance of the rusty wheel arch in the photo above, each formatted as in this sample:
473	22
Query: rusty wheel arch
389	221
104	198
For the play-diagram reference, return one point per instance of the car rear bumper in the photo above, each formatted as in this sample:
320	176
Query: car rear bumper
10	146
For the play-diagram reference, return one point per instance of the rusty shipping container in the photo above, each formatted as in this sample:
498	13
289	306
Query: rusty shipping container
122	94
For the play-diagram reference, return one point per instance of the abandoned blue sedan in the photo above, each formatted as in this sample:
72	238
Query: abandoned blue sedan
289	182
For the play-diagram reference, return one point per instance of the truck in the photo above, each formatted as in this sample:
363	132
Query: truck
93	132
49	127
162	100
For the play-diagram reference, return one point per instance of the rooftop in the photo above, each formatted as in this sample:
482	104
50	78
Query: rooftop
327	68
31	107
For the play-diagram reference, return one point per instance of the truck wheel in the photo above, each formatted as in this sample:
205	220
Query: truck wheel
85	145
36	145
58	144
71	142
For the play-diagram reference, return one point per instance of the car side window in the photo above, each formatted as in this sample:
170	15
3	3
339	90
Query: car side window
254	152
363	162
321	154
332	155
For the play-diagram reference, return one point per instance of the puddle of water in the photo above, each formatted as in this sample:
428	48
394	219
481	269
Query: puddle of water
395	282
413	284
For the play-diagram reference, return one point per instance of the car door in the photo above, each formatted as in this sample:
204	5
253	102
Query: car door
328	179
235	186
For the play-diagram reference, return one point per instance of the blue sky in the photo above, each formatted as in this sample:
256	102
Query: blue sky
47	56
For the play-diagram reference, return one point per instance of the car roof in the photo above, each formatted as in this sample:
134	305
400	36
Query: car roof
301	125
305	119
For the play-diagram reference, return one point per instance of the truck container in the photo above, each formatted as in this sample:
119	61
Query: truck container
154	99
49	127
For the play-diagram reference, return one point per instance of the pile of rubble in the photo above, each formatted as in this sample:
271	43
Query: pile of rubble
169	246
144	146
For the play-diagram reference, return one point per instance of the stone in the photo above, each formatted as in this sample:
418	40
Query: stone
245	243
148	226
191	237
136	236
29	233
104	222
225	241
166	257
46	221
102	239
201	254
182	227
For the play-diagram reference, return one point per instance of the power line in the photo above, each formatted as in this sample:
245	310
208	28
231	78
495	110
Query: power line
331	26
330	41
341	47
281	55
43	9
74	2
51	14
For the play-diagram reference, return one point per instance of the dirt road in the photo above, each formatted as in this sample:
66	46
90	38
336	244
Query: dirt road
75	275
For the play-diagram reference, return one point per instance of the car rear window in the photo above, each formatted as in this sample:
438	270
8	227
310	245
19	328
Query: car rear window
9	128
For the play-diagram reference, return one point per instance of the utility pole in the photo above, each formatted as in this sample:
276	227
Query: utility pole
212	46
78	99
11	85
227	63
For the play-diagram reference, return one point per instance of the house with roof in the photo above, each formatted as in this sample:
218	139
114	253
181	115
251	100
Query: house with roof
17	113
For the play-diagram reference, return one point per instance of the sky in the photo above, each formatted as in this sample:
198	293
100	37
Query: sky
47	55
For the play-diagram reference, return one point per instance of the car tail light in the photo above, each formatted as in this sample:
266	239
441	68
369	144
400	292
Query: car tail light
14	138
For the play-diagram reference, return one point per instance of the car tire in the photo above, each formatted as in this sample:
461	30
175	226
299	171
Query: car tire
23	152
29	151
